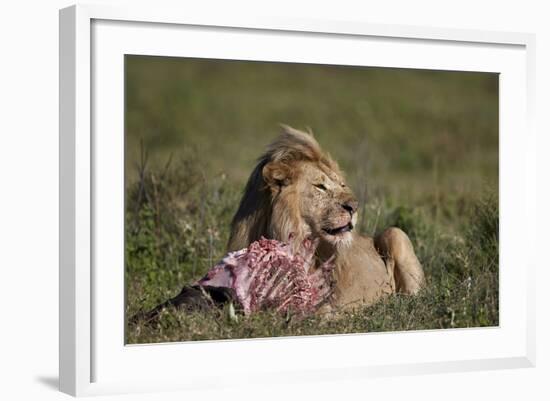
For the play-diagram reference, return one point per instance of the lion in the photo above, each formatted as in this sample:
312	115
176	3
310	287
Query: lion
297	191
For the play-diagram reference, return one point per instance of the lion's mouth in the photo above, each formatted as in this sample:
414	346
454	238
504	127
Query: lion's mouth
339	230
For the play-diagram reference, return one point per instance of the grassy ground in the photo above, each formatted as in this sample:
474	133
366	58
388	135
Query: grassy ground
420	149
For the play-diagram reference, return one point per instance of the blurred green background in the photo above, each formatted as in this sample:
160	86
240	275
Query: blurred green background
398	131
419	149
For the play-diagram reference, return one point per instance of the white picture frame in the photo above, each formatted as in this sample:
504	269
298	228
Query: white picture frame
96	361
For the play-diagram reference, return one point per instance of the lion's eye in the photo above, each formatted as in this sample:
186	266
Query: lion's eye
321	187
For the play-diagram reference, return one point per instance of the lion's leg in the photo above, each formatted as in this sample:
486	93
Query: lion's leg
401	261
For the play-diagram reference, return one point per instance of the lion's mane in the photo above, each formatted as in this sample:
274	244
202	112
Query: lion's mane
263	210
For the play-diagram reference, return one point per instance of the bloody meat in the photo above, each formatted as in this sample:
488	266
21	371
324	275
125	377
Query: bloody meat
269	275
266	275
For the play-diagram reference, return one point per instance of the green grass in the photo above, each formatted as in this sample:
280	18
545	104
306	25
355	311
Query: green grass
420	149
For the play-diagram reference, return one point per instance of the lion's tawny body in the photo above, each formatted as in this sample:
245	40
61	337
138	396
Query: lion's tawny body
296	190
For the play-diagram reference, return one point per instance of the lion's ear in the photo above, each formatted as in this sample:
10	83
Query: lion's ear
277	174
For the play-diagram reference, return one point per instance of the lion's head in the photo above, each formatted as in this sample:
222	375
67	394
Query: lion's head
295	191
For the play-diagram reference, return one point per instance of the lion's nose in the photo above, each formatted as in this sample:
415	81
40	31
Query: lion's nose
350	206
